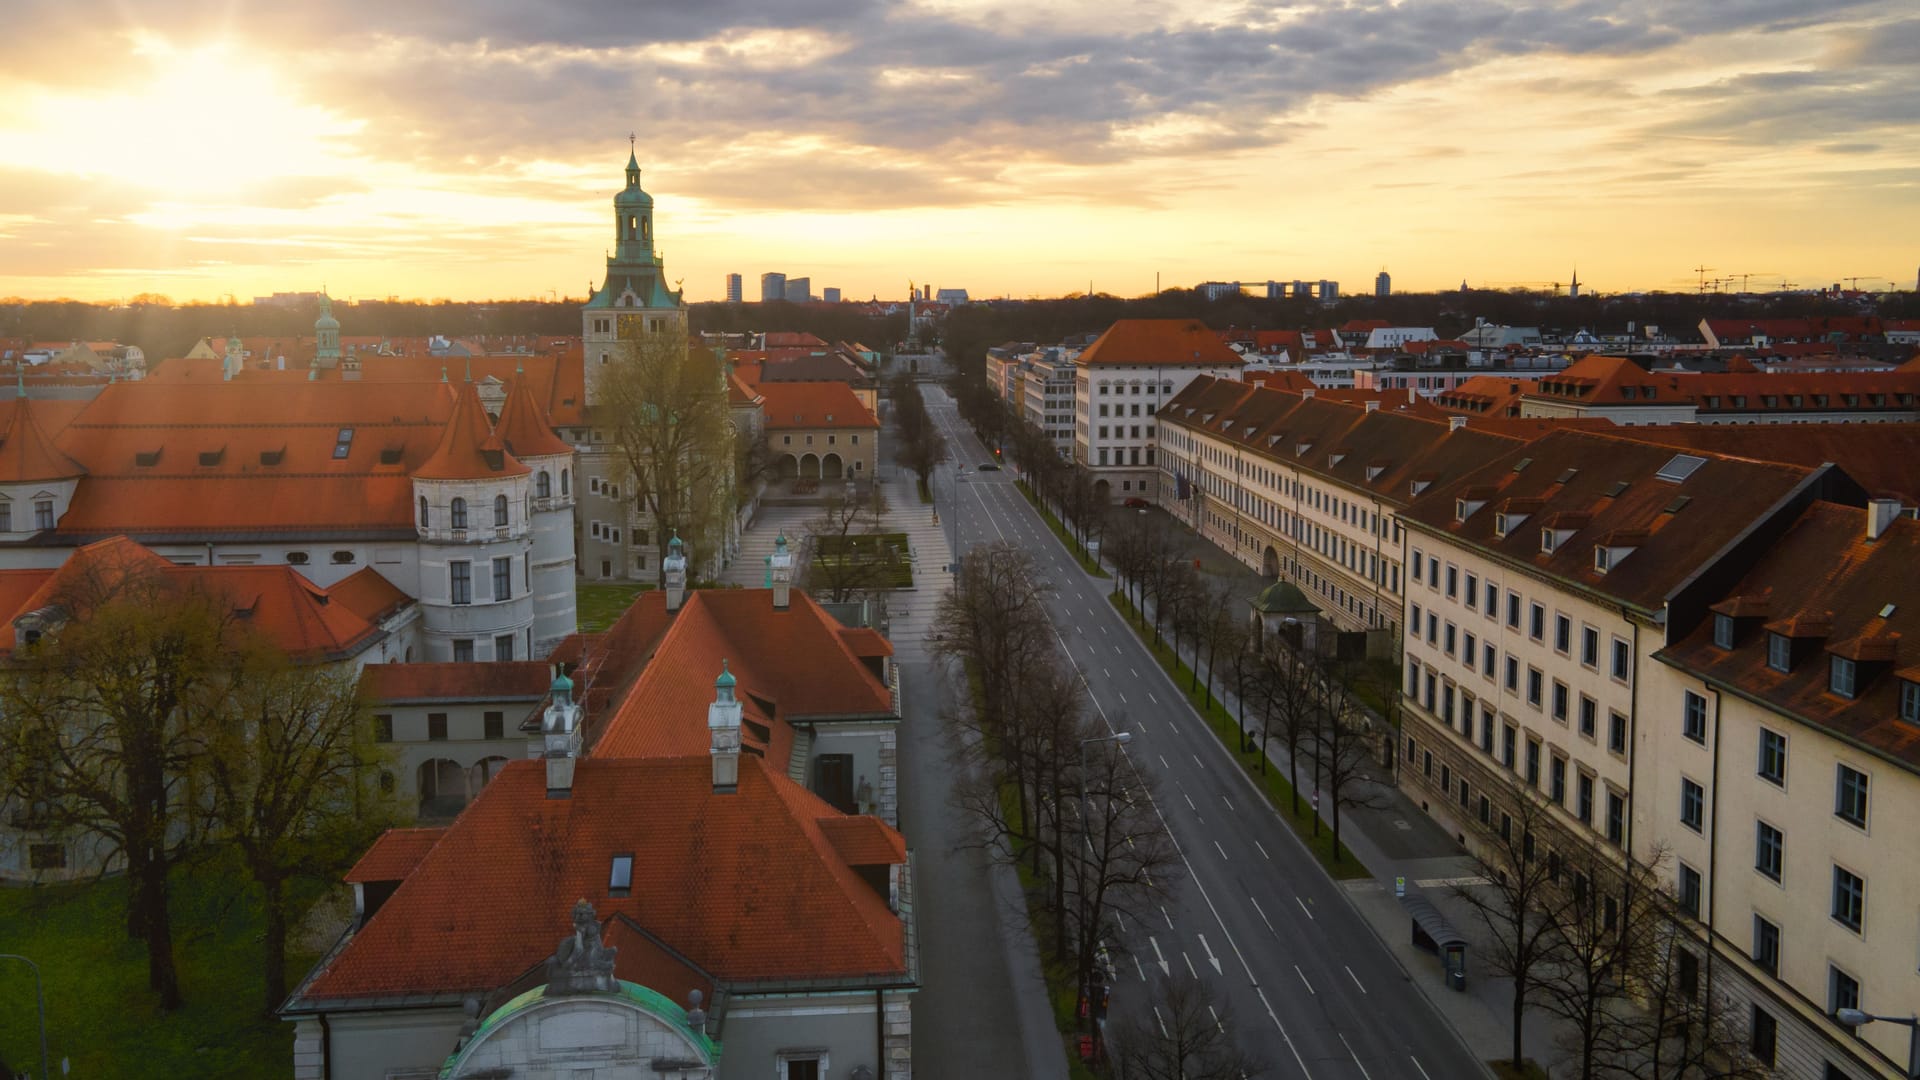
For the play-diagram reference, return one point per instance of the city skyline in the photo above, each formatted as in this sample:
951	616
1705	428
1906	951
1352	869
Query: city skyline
446	152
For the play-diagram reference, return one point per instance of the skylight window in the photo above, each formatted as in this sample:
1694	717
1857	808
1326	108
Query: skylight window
342	443
620	876
1680	468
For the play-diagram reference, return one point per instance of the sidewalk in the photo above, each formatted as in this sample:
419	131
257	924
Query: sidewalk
1399	840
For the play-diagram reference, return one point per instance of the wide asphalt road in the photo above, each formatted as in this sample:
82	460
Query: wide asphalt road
1312	990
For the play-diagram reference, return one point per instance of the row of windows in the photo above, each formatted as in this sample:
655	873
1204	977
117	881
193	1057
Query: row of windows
787	440
1467	589
42	515
1845	676
493	724
1106	387
460	579
1120	410
1121	432
1536	680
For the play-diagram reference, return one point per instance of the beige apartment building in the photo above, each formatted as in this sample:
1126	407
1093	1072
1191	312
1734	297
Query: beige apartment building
1784	774
1553	642
1122	381
1309	489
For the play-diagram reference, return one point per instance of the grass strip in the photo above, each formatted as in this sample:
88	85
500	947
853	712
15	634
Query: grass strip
1226	728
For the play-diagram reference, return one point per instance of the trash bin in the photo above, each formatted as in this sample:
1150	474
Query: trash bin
1457	979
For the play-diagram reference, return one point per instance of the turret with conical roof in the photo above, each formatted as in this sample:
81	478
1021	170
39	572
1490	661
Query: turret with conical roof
37	478
524	432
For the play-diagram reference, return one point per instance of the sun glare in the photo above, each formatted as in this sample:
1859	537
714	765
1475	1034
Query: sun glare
203	122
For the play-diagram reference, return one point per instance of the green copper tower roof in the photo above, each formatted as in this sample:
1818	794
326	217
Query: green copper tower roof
726	681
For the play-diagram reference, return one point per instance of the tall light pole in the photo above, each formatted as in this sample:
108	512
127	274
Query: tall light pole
40	999
1853	1018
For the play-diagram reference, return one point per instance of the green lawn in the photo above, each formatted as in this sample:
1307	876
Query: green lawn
865	547
99	1010
1227	729
599	603
1061	532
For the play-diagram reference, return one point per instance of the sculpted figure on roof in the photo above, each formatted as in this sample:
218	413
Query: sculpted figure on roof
582	964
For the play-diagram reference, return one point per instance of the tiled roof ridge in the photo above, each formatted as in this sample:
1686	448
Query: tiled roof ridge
470	448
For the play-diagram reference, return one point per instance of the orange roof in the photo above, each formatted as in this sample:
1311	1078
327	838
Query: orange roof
744	884
394	855
1160	341
506	680
523	429
814	405
368	594
27	455
469	447
864	841
1295	381
790	665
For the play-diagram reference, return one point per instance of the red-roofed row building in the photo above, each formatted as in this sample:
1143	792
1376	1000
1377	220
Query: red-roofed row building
1122	380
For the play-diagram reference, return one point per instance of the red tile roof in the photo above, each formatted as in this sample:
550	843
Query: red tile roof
27	454
368	594
1880	457
864	841
394	855
1160	341
510	680
522	427
470	449
746	884
1823	570
814	405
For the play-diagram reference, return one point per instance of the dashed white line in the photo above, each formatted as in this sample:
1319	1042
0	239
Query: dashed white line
1197	761
1263	851
1417	1065
1151	698
1303	906
1221	850
1350	974
1356	1058
1190	805
1123	697
1136	674
1163	761
1263	917
1310	990
1224	799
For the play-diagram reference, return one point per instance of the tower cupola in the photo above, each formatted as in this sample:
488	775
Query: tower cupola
723	731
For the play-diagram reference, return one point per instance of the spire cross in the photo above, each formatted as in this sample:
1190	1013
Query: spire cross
631	144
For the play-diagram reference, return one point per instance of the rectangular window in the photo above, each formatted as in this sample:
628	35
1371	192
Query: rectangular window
6	517
1779	652
1473	593
1693	717
1583	804
1849	899
1509	742
1557	786
1562	633
1762	1031
1843	990
1486	659
1533	763
1766	945
503	578
1513	610
43	514
460	582
494	724
1590	646
1616	732
1622	659
1616	817
1469	648
463	651
1850	796
1493	601
1769	849
1589	710
437	726
1417	565
1910	702
1449	639
1453	582
1773	757
1693	804
1559	701
1537	622
1513	675
503	647
1689	890
383	727
1840	676
1535	687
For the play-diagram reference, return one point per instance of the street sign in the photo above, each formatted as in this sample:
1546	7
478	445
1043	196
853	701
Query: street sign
1400	887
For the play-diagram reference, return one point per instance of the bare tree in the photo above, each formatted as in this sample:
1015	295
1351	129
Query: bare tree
1516	902
1185	1033
1680	1024
1287	704
672	437
1341	750
1603	920
844	553
105	732
1220	630
1127	861
293	761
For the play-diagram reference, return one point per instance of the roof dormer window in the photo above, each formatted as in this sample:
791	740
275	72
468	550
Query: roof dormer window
1910	701
1779	652
1842	676
1464	508
1723	632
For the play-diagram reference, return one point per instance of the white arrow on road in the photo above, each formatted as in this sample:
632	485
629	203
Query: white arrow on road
1208	949
1159	957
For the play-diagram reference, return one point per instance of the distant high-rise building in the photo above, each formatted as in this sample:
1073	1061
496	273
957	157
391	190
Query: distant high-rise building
1329	291
773	287
1276	290
1382	284
831	296
1214	290
799	290
1301	291
733	289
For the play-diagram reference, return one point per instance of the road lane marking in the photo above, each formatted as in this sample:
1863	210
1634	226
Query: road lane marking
1190	805
1163	761
1151	698
1263	851
1164	915
1303	906
1123	697
1212	959
1197	761
1109	673
1284	1037
1216	1020
1224	799
1136	674
1222	851
1263	917
1356	1057
1350	974
1310	990
1417	1065
1158	956
1190	968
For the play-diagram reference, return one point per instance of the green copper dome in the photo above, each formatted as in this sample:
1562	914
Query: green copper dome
562	687
326	321
726	680
1283	598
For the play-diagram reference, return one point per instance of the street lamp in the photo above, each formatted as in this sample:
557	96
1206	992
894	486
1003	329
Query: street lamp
41	999
1853	1018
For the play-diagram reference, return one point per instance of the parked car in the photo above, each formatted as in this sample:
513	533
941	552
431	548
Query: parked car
989	467
1136	503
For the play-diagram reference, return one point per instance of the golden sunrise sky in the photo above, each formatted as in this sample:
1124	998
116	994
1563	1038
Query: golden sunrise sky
468	150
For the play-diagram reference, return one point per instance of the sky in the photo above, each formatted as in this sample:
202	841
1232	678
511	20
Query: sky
469	149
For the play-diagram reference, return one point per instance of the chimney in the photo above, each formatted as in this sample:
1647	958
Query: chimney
560	734
723	732
676	568
1374	405
781	564
1880	515
1455	423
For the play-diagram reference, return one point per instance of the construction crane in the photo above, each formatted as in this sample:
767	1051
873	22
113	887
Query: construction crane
1703	270
1745	276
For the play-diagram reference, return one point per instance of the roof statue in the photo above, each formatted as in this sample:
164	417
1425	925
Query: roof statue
581	964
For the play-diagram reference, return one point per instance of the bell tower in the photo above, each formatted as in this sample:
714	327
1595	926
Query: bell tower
633	298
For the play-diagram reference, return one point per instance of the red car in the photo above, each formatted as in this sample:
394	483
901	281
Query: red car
1137	504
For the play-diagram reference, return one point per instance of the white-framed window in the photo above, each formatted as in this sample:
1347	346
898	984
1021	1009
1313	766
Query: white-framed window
802	1064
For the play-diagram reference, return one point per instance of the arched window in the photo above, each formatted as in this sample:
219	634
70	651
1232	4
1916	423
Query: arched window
458	511
499	510
543	484
423	511
563	481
